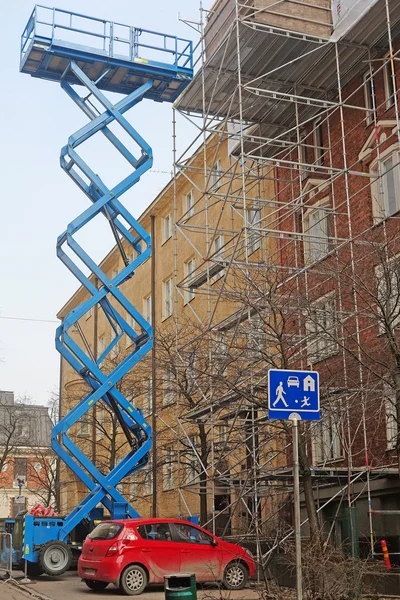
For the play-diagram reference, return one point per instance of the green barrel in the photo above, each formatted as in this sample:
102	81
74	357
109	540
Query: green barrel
180	585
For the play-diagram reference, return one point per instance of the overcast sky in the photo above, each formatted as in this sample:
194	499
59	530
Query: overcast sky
38	200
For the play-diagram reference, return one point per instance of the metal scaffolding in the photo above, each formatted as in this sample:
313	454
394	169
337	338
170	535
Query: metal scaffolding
288	104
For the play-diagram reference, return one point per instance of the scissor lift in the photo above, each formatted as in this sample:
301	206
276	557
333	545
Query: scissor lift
100	56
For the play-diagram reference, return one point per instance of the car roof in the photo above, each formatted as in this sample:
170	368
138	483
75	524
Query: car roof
139	520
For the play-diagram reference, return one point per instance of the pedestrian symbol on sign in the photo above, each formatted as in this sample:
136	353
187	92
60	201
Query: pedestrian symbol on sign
279	395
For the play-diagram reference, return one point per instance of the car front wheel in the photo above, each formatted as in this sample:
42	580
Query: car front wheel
96	586
133	580
235	576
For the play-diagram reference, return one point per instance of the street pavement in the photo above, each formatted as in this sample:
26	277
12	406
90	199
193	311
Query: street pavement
70	587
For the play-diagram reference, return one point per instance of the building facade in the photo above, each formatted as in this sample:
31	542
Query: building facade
27	470
276	245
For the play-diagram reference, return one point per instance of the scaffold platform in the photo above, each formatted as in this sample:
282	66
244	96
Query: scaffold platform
119	58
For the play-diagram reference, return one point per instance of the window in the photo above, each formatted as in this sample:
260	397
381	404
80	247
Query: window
167	223
147	308
132	323
38	467
369	98
220	352
318	142
148	397
256	333
190	267
22	429
100	421
115	350
392	425
167	298
134	488
216	176
156	531
218	245
218	256
388	294
168	387
316	230
320	329
192	535
20	470
388	81
89	313
302	160
189	204
253	220
148	478
168	479
115	272
105	531
386	188
84	426
326	437
221	433
191	372
101	344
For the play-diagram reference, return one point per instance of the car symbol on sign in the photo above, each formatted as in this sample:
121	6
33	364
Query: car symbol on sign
293	381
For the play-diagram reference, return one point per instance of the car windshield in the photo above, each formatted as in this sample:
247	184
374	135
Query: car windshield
105	531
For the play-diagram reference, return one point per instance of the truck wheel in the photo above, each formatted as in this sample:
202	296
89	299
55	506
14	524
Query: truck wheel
96	586
55	558
133	580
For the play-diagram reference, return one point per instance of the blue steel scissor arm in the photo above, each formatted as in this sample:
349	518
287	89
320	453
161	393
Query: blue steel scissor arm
56	46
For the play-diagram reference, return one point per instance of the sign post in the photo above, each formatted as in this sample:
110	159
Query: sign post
294	396
297	519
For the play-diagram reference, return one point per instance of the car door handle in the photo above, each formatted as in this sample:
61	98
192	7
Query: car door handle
146	550
185	551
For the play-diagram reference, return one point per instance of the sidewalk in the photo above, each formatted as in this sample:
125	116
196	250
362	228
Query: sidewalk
69	587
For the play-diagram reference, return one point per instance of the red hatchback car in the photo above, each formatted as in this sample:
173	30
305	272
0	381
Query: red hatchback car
135	552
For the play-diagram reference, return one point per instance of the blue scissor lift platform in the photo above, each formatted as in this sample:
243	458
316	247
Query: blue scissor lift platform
100	56
120	58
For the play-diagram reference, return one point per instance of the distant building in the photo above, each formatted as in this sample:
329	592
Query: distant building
26	470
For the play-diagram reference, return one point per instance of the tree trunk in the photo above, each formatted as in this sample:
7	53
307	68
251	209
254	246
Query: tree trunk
305	474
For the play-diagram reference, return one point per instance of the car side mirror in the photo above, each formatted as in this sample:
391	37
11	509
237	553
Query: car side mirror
214	543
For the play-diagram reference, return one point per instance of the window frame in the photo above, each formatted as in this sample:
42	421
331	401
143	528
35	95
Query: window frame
216	175
334	429
315	353
167	227
189	294
189	204
254	226
168	387
147	478
168	469
147	307
148	398
318	142
167	298
310	240
379	277
388	82
379	193
369	98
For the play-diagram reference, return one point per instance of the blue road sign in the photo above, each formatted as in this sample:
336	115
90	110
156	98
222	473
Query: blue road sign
292	392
